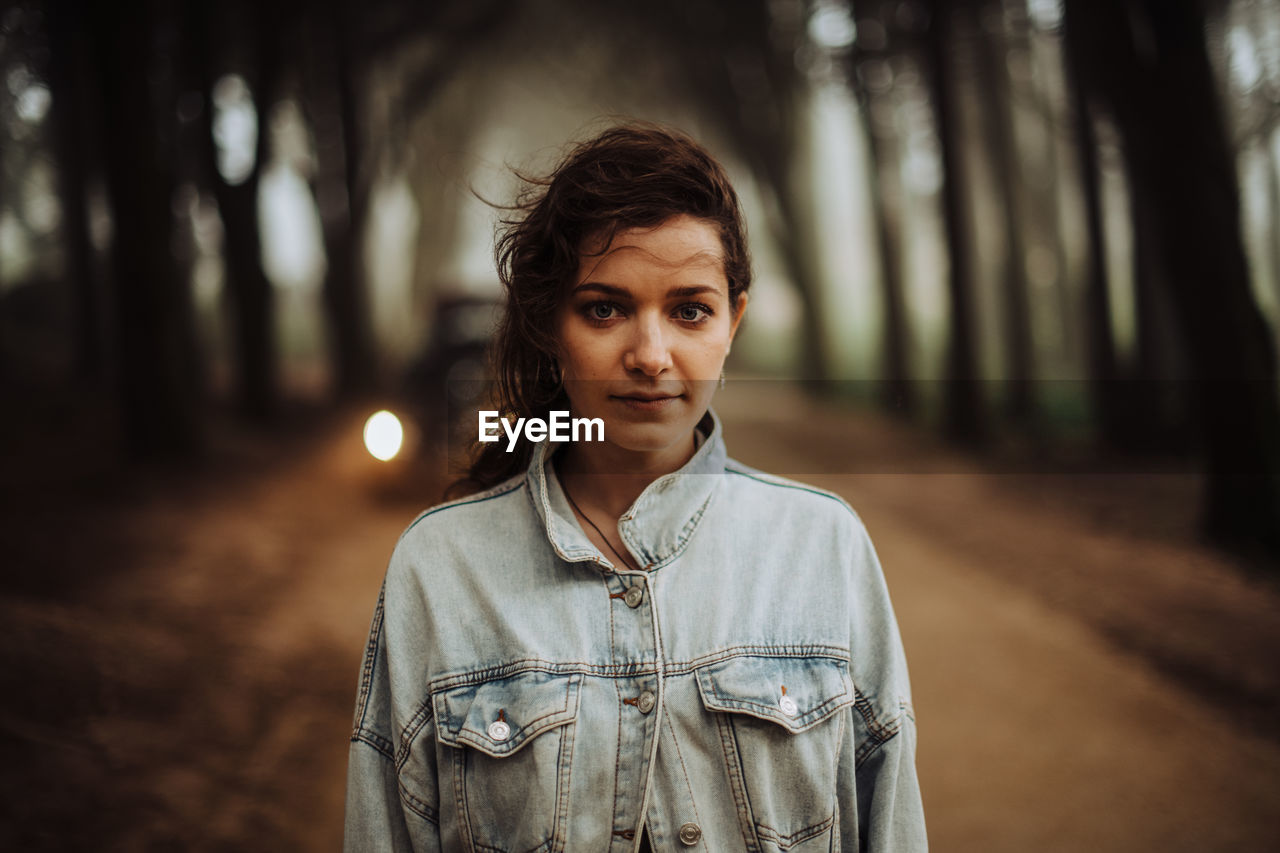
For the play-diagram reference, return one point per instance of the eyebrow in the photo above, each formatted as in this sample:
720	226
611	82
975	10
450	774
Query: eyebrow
622	292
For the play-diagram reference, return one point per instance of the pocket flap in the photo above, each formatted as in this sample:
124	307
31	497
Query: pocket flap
795	693
500	716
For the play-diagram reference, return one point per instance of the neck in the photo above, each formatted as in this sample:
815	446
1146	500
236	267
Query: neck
609	479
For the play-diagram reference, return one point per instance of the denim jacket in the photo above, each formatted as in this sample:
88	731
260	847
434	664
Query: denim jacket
745	691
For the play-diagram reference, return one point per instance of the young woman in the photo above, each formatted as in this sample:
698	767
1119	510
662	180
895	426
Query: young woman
631	642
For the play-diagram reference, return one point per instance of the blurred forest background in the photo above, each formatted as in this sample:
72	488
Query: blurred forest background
1048	222
1041	231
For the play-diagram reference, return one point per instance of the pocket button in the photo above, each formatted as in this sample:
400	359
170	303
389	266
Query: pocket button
689	834
646	702
499	730
788	706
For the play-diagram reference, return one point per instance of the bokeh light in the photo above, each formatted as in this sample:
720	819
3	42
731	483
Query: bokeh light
383	435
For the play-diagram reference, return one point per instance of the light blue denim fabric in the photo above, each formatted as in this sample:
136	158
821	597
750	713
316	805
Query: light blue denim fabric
747	691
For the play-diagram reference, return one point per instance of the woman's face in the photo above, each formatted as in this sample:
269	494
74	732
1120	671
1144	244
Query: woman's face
645	330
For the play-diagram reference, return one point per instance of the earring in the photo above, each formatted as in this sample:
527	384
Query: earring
556	376
722	379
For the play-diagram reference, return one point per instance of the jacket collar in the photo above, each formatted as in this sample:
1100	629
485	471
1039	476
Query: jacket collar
657	526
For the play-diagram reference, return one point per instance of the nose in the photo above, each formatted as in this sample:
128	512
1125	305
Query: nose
647	351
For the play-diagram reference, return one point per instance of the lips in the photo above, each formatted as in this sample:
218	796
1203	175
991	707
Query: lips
646	398
647	403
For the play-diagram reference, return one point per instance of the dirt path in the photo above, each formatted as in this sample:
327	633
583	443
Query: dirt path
190	687
1082	683
193	689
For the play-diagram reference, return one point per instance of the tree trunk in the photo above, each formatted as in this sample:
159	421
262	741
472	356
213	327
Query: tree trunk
1005	167
1149	62
248	290
157	358
1157	416
68	72
897	396
1273	212
799	260
962	401
345	297
1104	370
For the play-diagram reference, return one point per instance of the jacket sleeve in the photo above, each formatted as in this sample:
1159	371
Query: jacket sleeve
890	815
388	808
881	808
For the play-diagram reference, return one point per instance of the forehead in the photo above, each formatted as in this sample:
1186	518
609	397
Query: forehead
681	242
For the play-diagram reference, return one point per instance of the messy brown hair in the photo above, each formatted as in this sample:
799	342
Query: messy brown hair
634	175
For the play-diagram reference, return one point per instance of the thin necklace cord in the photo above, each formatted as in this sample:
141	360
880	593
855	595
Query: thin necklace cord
578	509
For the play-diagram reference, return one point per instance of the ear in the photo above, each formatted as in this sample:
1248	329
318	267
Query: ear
738	311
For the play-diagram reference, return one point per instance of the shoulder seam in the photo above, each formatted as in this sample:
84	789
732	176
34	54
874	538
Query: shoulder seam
782	483
495	492
370	662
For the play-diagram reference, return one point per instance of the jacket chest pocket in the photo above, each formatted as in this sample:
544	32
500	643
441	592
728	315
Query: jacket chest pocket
782	733
511	741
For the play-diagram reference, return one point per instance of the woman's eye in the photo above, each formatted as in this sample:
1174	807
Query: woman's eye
693	312
600	311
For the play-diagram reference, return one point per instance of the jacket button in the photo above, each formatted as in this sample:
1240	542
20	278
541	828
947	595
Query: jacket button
499	730
690	833
646	702
788	706
633	596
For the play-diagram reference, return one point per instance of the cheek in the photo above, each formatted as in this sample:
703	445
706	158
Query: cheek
584	356
709	351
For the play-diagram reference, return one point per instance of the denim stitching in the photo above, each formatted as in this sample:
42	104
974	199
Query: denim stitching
541	848
684	771
495	492
734	467
417	722
380	744
686	532
737	782
684	537
884	729
617	756
613	642
560	817
460	796
507	670
570	697
564	707
564	769
631	670
771	713
879	733
471	737
788	841
370	661
840	736
870	748
542	509
617	689
769	710
419	807
806	651
765	831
